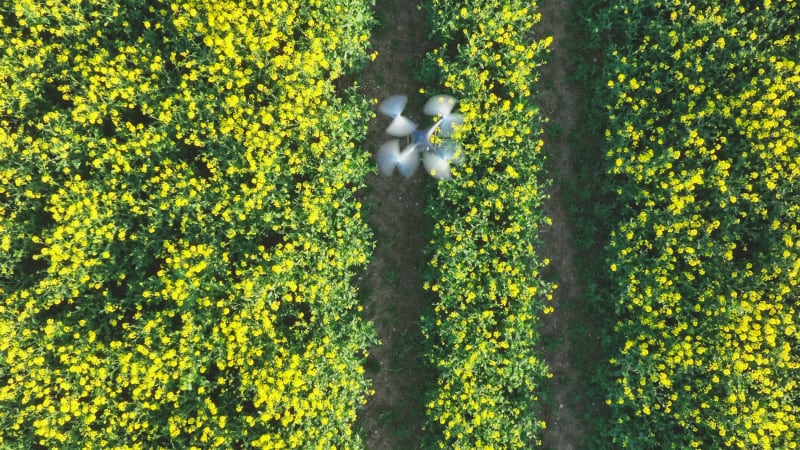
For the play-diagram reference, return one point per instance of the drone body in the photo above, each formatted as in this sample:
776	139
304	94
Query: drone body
436	156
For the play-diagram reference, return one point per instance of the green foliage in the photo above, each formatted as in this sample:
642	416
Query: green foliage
484	268
702	152
178	224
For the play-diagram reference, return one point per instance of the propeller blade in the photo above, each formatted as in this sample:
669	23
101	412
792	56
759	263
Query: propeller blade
401	126
408	161
450	152
393	105
449	123
436	166
387	157
440	105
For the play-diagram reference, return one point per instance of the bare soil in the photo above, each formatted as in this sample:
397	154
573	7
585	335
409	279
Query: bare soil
570	338
392	284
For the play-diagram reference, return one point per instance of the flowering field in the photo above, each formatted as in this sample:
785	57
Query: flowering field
703	102
484	269
180	227
178	223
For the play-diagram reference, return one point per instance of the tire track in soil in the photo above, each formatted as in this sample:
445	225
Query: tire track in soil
569	340
391	286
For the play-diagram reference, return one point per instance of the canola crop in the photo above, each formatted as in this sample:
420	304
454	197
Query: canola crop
484	269
703	107
178	223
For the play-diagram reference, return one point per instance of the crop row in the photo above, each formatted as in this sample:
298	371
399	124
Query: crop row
703	155
178	226
484	271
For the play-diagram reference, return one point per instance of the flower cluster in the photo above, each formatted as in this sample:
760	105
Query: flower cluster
484	269
703	153
178	223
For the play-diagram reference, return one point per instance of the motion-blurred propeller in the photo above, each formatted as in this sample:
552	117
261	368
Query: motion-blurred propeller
437	154
436	166
390	157
437	162
439	105
393	107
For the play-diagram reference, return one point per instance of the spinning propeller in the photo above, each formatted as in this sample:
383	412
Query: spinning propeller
438	152
389	156
393	107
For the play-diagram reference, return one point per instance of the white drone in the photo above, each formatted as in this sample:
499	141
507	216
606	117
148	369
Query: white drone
437	154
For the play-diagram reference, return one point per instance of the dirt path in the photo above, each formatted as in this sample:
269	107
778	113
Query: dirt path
392	286
569	338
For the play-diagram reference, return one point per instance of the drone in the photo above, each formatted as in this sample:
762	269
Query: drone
432	145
